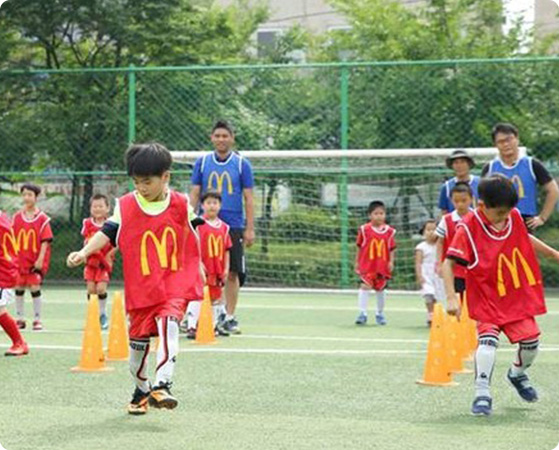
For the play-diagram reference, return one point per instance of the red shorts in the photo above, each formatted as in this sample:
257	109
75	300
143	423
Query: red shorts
521	330
377	282
96	274
142	320
29	279
215	293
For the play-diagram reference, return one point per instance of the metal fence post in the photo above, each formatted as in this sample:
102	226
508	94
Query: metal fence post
131	105
344	213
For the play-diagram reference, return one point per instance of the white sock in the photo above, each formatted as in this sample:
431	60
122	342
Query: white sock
485	362
229	316
138	362
527	352
215	310
168	329
381	299
37	303
20	307
363	300
193	314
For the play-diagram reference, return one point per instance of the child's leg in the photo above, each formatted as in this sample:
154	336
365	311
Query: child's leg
430	305
37	302
101	290
216	308
10	327
139	351
485	362
381	300
20	292
363	298
168	329
192	315
525	356
90	285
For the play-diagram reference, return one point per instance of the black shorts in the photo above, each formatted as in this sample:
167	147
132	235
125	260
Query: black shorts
237	254
459	285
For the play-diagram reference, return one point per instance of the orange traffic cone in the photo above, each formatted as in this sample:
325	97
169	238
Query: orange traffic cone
436	371
455	345
205	331
155	346
470	329
118	334
92	358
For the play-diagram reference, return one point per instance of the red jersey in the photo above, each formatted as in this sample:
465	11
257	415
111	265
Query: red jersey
375	246
503	276
30	234
215	241
459	270
8	254
160	253
96	260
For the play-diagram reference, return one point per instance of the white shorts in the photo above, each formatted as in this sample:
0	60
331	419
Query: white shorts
6	296
434	287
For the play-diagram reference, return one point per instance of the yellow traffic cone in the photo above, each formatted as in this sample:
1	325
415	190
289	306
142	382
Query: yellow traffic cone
455	345
205	331
92	358
118	349
436	371
470	330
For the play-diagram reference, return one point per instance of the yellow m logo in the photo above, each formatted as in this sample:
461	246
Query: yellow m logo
512	266
377	249
161	248
219	180
11	239
215	246
24	238
519	186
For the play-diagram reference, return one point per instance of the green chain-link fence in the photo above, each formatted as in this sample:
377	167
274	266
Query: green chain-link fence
68	129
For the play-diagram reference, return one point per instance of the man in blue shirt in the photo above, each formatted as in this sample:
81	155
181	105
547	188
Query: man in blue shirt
230	174
461	163
525	172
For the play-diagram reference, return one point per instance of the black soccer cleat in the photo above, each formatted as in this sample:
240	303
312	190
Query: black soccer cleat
522	385
139	404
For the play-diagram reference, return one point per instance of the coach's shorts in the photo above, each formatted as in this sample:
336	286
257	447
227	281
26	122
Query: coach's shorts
142	322
237	255
377	282
521	330
6	296
96	274
29	279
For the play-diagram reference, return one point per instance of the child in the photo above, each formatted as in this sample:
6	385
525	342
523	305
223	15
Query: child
374	261
425	262
98	267
34	237
215	243
8	279
505	288
462	198
161	265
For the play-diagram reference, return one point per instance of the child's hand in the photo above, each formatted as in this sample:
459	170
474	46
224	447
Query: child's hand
203	274
38	264
439	269
421	281
391	266
453	305
225	276
75	259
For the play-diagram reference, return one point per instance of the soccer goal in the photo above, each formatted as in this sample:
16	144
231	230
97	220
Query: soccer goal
309	205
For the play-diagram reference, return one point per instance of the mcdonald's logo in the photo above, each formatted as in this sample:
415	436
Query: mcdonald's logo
519	186
161	248
219	180
512	266
377	249
24	238
9	238
215	246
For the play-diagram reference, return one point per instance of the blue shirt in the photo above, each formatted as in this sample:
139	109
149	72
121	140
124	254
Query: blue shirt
230	177
445	201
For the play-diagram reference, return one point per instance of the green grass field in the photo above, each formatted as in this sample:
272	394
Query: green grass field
301	376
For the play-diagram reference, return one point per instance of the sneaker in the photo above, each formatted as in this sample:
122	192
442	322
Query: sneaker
522	385
161	397
361	319
220	331
232	326
18	349
104	321
191	333
139	404
482	406
183	327
380	319
21	324
221	318
37	325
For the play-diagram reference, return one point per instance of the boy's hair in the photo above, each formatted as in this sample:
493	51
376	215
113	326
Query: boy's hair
211	193
148	160
99	197
497	191
225	125
427	222
504	128
462	188
30	187
375	205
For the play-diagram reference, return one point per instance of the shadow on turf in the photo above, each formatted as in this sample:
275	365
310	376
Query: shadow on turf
501	416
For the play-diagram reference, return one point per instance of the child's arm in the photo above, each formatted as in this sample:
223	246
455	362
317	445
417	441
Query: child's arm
418	263
41	258
392	259
452	302
440	249
96	243
226	265
543	249
110	258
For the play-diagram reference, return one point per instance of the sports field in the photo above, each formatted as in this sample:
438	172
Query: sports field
301	376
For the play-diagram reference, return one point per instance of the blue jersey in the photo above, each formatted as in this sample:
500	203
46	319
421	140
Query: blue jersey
229	177
445	201
524	179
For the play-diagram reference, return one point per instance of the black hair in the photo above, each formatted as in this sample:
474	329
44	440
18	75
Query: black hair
462	188
427	222
30	187
375	205
99	197
504	128
147	160
225	125
211	193
497	191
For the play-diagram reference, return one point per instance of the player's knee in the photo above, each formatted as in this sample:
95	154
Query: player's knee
233	276
35	293
102	294
20	292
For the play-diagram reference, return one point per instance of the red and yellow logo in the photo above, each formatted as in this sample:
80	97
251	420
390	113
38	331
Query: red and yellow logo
219	181
513	268
215	246
26	239
161	248
377	249
9	245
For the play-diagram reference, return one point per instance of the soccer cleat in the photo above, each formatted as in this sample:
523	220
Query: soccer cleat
37	325
21	324
361	319
232	326
18	349
380	319
191	333
522	385
220	331
139	404
482	406
104	321
161	397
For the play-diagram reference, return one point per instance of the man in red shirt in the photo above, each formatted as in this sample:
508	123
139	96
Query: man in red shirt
504	285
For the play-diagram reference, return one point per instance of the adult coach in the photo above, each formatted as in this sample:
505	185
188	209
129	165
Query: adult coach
461	163
525	172
231	174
